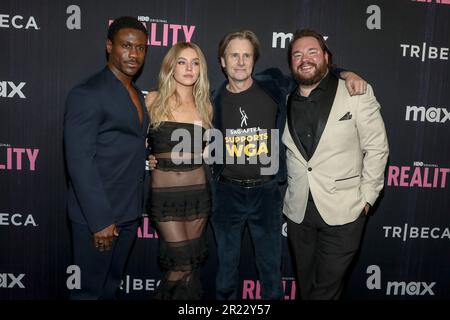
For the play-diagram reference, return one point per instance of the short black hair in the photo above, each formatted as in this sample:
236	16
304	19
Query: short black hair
125	22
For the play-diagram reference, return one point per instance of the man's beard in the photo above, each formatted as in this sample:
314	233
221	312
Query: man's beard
313	79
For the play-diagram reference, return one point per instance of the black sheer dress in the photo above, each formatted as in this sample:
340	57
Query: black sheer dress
180	204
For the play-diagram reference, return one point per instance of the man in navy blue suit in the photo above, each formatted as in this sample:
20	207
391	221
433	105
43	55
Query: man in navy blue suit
105	126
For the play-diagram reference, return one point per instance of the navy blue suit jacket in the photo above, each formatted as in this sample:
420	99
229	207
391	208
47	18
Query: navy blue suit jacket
105	152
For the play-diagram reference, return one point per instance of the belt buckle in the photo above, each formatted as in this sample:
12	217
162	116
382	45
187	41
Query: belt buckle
250	183
247	183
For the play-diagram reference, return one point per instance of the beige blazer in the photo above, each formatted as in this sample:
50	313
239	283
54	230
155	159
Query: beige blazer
346	170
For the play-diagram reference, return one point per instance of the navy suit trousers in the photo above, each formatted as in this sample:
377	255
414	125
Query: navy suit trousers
101	272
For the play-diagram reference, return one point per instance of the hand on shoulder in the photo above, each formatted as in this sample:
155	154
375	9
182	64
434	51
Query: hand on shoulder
354	83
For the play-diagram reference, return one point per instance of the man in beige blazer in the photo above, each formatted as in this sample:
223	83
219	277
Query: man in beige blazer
337	151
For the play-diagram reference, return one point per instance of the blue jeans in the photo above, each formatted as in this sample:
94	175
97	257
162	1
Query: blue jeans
260	209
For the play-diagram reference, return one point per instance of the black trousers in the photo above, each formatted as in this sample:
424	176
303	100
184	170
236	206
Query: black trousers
322	253
101	272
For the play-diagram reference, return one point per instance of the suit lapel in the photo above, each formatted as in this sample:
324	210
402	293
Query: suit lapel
145	119
332	115
324	112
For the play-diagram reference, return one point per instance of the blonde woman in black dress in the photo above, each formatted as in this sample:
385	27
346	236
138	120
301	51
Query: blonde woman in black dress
180	195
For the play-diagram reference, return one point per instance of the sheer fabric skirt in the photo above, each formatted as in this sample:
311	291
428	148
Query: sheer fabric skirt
180	206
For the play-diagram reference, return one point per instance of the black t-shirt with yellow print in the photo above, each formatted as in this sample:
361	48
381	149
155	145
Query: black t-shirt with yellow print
248	118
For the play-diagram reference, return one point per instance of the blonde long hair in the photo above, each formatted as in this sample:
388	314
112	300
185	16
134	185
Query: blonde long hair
159	109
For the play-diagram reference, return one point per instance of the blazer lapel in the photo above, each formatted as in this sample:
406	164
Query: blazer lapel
341	92
145	119
325	112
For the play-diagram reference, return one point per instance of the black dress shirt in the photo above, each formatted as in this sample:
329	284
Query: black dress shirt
310	114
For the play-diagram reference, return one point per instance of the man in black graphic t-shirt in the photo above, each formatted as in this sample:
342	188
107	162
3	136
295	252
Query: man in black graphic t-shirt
250	113
249	120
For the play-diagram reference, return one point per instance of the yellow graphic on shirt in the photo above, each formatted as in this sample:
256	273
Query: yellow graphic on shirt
250	150
250	145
